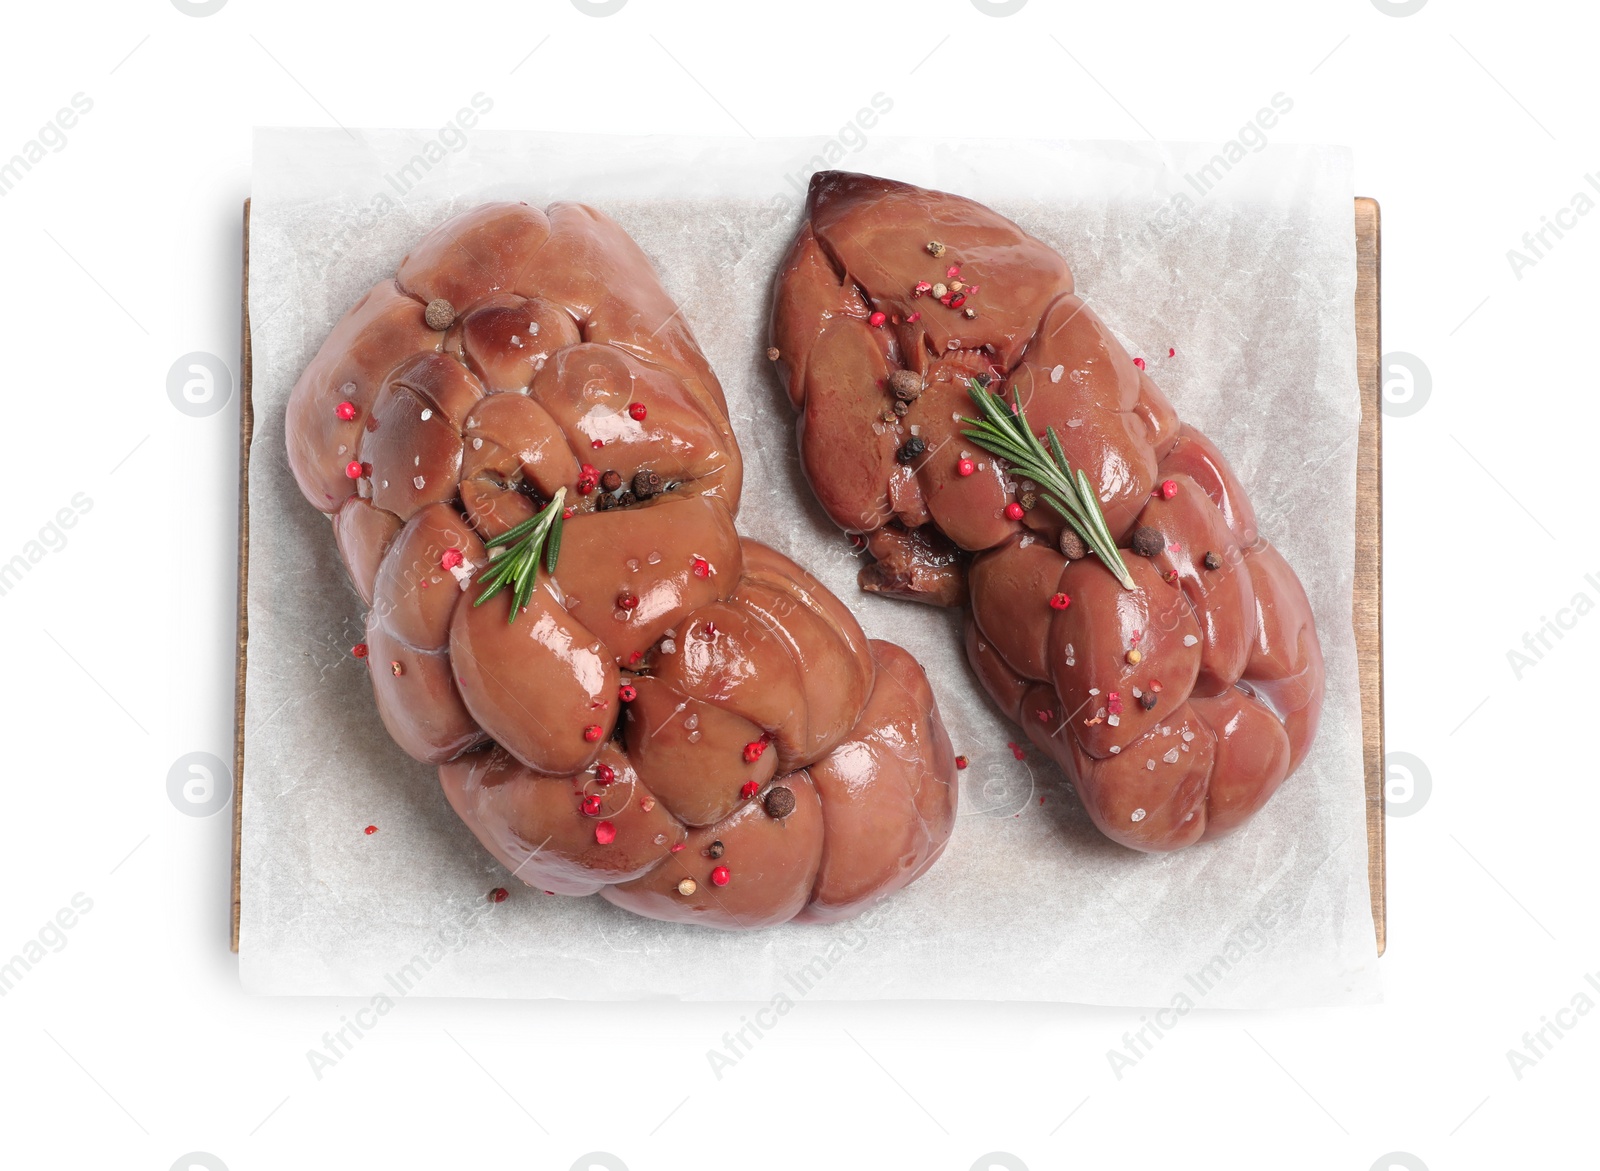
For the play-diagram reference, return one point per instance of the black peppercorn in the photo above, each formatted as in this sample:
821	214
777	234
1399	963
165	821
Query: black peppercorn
1213	561
906	385
610	479
779	803
626	499
1147	542
901	408
439	314
604	502
1147	701
911	449
715	850
1071	545
983	381
646	484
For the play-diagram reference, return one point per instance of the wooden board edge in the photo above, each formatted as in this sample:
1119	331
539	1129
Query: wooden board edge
246	428
1367	604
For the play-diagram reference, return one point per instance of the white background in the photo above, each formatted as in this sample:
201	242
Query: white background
132	1044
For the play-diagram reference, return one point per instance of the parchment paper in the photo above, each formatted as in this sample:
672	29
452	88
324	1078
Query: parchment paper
1249	277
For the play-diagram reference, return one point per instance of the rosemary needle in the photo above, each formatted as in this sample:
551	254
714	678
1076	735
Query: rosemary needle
522	547
1003	431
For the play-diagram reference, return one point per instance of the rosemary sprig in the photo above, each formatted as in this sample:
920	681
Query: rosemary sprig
521	549
1003	431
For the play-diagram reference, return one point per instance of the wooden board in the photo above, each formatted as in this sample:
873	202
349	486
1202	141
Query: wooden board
246	429
1367	611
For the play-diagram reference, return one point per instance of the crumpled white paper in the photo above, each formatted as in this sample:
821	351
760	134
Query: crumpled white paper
1251	282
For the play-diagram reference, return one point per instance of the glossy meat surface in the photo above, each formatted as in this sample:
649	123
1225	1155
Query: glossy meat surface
681	720
1178	707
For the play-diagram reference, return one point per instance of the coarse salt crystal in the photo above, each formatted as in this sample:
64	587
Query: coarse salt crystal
427	413
1094	691
1113	720
419	482
1149	766
1187	736
477	444
1115	750
1189	640
1138	815
1056	373
1172	756
668	647
533	328
1137	693
516	341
